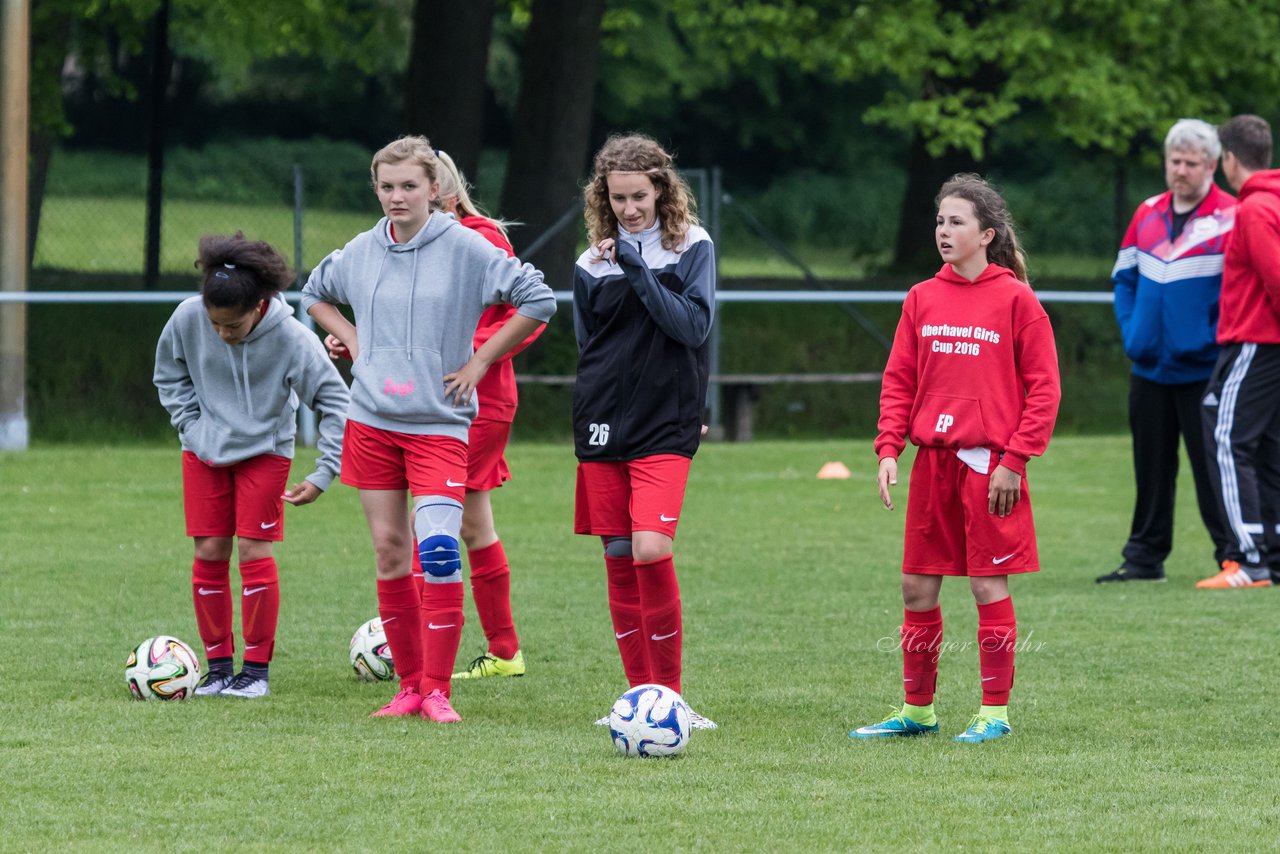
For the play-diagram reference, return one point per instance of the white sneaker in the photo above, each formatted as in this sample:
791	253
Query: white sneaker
213	683
697	721
246	686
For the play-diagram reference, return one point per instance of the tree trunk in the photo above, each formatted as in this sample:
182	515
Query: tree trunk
915	252
158	91
448	61
552	128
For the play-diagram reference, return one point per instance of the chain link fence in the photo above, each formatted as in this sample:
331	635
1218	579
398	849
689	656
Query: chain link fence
305	199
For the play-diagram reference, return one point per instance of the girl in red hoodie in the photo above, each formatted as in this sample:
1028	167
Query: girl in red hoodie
486	465
972	380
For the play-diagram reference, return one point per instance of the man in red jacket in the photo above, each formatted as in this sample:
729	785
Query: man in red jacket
1242	402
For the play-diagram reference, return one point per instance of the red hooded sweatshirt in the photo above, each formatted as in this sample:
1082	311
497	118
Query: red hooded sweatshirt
497	391
973	367
1249	307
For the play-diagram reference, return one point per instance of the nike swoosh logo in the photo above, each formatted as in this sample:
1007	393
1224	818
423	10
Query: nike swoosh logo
389	619
987	678
448	482
249	591
663	637
264	526
624	634
215	646
247	647
664	518
999	560
204	592
433	626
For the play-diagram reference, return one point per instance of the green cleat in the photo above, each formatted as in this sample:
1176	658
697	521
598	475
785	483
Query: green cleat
491	665
983	728
897	724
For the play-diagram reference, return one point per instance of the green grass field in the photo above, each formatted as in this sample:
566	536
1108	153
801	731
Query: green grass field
1143	716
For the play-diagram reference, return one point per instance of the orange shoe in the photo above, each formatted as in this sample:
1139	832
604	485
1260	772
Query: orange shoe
1232	575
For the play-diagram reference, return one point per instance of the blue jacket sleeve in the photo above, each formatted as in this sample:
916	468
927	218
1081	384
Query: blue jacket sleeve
686	315
583	326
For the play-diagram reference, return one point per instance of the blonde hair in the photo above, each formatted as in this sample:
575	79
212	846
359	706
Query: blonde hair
414	149
993	213
637	153
454	183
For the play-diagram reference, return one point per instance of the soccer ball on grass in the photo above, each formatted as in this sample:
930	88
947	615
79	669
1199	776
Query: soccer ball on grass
650	720
371	654
162	668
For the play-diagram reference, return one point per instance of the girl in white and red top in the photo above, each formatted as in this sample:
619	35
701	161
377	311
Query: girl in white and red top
486	441
972	380
417	284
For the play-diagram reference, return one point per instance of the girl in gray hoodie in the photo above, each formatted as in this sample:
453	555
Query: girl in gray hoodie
232	365
417	283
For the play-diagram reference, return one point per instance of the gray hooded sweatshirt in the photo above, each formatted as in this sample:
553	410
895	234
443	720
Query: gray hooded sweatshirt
231	402
416	306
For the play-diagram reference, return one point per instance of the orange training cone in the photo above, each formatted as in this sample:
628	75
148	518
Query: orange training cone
834	471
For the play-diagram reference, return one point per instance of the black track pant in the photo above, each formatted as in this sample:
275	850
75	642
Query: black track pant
1242	412
1160	415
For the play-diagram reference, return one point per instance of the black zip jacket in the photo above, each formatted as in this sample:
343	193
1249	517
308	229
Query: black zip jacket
642	325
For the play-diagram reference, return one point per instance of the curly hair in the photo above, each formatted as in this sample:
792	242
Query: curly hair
992	212
637	153
240	273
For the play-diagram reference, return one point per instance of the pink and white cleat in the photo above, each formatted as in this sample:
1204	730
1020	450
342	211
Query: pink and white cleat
435	707
407	702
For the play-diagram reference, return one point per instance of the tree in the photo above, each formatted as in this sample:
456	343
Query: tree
79	43
955	72
445	91
552	126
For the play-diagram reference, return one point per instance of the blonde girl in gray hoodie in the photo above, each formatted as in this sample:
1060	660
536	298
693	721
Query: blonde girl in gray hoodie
232	366
417	283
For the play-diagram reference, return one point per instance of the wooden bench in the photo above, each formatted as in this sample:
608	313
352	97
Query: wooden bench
739	393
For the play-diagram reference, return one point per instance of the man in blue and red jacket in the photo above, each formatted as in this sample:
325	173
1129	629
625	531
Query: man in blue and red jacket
1167	276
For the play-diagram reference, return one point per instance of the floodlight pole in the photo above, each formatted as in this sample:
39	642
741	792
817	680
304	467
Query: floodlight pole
15	41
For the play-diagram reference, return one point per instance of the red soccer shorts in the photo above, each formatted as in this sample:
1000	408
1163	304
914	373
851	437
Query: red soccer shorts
240	500
486	467
385	459
949	530
616	498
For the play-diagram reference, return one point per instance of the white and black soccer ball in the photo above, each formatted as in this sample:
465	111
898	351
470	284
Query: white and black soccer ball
162	668
371	654
650	720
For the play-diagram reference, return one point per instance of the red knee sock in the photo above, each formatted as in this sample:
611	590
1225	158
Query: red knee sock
491	590
997	642
441	625
921	636
661	619
211	590
399	606
259	608
624	608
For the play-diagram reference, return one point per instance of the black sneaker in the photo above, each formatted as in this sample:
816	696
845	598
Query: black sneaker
1132	572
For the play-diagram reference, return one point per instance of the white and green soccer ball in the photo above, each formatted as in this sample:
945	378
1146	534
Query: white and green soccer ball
162	668
371	654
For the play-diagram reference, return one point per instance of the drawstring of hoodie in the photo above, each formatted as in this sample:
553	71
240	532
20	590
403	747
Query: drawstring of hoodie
242	389
413	284
377	280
